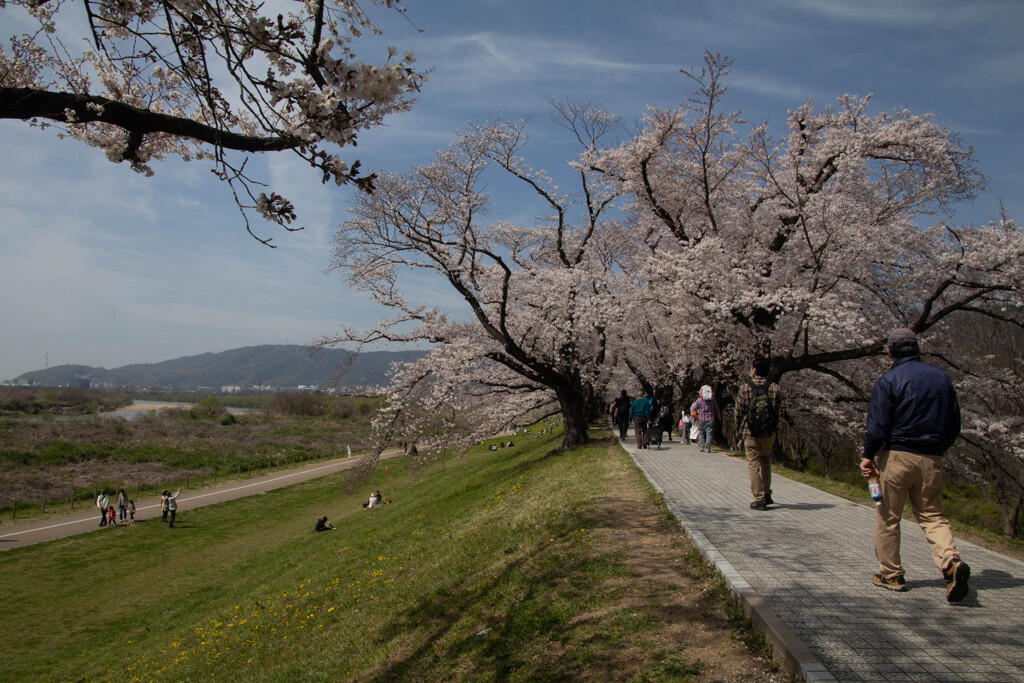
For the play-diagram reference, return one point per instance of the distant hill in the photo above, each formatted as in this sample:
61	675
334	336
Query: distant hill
275	366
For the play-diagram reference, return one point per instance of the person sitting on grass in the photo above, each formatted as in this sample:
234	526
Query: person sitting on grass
322	525
376	500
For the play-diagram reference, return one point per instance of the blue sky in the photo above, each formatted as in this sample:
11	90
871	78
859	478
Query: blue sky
104	267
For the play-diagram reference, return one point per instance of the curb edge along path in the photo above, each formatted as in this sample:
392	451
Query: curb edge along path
803	571
38	531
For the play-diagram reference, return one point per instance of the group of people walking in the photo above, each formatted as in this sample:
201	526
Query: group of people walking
123	513
652	417
645	413
913	419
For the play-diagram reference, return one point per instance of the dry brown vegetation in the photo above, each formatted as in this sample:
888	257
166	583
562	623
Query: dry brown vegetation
58	400
50	457
668	576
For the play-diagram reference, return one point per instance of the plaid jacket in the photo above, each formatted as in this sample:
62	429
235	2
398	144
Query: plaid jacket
743	397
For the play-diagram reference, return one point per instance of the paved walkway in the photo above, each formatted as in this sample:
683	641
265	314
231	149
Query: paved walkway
27	533
804	566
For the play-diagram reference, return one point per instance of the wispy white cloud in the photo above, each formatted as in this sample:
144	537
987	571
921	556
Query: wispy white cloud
918	13
102	265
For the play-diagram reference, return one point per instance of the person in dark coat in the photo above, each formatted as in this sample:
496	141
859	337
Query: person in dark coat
621	407
913	418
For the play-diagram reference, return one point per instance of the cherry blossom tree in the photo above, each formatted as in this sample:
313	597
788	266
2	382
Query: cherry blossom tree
205	80
990	383
536	336
808	249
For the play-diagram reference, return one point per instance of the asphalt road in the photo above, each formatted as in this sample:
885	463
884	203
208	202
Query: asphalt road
27	533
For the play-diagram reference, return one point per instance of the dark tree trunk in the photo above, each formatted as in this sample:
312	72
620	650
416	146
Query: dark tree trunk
1010	515
574	417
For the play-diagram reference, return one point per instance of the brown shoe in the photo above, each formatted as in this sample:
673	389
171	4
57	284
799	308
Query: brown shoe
956	575
896	583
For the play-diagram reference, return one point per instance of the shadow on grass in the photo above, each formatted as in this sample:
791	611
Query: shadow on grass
559	611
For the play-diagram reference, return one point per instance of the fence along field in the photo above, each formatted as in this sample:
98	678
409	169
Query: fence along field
53	466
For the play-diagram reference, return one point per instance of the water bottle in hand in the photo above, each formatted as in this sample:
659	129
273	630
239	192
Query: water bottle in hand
875	489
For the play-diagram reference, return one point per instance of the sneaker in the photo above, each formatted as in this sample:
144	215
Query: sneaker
896	583
768	500
759	505
956	575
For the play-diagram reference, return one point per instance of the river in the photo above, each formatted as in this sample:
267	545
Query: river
138	408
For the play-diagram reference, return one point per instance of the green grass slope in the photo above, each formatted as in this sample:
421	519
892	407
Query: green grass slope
483	568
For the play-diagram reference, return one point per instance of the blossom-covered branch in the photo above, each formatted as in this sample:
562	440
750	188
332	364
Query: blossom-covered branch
206	80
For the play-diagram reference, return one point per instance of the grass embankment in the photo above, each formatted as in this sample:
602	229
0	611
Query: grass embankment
499	566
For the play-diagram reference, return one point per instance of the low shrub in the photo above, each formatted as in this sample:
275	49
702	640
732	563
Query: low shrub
295	404
208	406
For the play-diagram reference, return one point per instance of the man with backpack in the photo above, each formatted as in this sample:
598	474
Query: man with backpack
757	419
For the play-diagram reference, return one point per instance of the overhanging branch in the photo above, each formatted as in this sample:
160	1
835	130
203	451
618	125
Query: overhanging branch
31	103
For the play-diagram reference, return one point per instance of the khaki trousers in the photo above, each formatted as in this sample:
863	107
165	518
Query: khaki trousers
640	429
919	478
759	465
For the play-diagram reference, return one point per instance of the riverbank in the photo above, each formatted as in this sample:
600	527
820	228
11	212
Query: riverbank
146	406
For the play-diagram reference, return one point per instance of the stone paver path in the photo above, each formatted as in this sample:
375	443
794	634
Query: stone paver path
806	563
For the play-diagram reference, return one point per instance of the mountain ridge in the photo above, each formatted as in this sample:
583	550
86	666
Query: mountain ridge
273	366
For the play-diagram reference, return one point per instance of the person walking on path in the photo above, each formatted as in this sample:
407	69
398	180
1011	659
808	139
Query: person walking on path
694	420
131	511
708	413
172	506
122	505
684	426
163	505
639	414
756	415
102	502
622	404
913	418
666	417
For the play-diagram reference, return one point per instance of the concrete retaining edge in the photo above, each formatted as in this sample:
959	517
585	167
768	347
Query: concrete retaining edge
787	647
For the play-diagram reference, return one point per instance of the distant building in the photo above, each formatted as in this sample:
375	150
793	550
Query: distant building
230	389
79	383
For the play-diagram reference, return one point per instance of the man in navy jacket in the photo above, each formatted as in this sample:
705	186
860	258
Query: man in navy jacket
913	418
